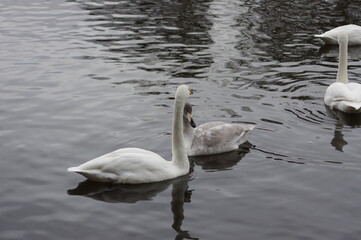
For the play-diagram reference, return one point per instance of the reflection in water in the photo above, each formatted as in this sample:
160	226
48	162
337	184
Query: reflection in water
126	193
180	195
222	161
349	119
338	141
354	52
132	193
158	36
114	193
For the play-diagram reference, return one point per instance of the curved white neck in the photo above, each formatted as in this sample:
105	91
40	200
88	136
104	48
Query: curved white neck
342	59
178	147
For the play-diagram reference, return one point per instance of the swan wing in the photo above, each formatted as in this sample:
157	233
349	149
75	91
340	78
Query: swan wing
218	137
127	165
344	97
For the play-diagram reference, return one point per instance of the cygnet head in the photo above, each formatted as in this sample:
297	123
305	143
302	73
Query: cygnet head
188	114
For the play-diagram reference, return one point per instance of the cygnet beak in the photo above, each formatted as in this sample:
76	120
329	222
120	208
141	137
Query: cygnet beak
193	124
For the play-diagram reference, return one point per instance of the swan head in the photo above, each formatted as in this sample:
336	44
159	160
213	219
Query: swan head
188	114
183	92
342	38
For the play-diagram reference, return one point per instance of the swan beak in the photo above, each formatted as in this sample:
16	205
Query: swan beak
191	121
190	91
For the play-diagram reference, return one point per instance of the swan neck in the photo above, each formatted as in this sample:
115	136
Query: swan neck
342	61
178	146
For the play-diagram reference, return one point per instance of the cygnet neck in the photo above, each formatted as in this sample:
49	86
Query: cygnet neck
342	60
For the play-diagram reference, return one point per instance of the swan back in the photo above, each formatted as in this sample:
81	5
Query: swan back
353	31
344	97
219	137
213	137
127	165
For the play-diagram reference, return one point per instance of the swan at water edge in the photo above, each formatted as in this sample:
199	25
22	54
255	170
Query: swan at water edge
135	165
212	137
343	95
353	32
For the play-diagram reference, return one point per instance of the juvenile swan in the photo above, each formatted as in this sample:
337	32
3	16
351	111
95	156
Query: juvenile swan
135	165
353	32
343	95
212	137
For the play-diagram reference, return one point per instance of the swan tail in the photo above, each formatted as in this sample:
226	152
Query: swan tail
242	138
250	127
73	169
95	174
327	39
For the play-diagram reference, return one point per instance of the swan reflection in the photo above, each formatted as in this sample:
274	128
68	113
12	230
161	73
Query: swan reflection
354	52
222	161
132	193
338	141
125	193
349	119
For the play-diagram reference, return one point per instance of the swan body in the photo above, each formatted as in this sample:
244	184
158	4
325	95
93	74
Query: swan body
135	165
213	137
343	95
353	32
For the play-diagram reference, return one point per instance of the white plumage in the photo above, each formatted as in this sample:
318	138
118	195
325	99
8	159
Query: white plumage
343	95
213	137
135	165
353	32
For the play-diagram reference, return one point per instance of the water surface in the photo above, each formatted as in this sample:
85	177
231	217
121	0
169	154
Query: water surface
83	78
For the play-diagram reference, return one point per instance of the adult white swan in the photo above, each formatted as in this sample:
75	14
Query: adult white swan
135	165
212	137
343	95
353	32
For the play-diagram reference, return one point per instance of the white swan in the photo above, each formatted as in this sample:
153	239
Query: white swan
212	137
343	95
134	165
353	31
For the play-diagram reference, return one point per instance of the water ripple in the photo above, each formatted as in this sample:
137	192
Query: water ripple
83	78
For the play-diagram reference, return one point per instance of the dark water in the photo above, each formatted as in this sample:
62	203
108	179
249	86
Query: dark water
83	78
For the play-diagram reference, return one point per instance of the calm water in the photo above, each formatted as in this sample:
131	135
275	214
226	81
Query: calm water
83	78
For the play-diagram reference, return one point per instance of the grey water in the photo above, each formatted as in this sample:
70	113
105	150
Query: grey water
82	78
